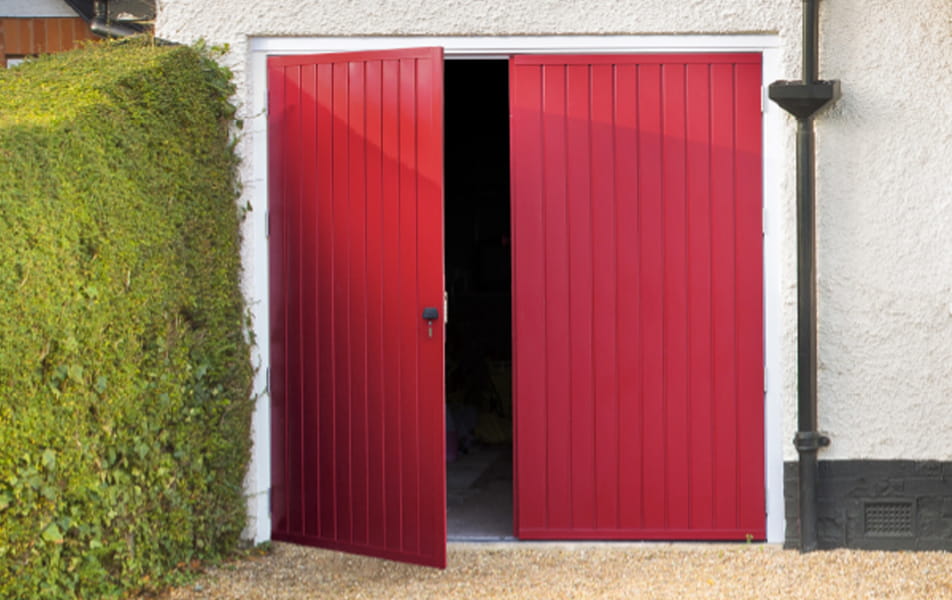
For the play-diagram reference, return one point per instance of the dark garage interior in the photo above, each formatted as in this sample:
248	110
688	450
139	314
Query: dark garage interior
478	282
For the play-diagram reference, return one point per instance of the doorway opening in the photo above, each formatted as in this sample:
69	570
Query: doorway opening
479	287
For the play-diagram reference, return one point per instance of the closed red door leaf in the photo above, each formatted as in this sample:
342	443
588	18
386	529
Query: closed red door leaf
637	296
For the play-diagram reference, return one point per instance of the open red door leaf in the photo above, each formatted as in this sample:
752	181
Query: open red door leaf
356	255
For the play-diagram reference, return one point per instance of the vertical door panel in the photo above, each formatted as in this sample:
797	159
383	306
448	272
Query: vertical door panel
750	317
356	247
650	396
536	479
627	273
637	305
604	297
674	292
723	304
701	349
578	186
278	302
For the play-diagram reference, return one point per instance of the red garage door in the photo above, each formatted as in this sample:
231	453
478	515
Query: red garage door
638	296
356	251
637	299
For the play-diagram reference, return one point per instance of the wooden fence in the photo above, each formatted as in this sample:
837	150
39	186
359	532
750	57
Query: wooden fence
22	37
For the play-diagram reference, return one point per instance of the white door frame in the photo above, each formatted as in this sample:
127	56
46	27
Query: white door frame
775	157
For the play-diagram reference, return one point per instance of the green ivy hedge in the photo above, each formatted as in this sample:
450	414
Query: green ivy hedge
125	378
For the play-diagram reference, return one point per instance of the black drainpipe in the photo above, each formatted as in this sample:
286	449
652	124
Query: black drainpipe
803	99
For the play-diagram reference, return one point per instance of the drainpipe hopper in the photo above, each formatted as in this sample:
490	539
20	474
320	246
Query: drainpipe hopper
102	26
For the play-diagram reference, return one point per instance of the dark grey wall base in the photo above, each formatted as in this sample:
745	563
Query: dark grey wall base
877	504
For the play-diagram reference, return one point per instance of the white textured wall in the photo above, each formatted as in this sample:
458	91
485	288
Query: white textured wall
884	176
885	229
35	8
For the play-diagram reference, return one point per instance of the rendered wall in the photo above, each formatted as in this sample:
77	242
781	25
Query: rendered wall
885	231
884	193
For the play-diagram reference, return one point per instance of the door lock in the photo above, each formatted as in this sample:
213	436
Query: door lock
430	314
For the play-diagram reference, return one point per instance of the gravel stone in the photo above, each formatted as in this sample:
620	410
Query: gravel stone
583	570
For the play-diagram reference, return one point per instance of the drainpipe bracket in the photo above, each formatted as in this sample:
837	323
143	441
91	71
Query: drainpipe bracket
810	441
803	100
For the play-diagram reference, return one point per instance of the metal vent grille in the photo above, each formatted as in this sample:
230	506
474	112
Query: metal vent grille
889	519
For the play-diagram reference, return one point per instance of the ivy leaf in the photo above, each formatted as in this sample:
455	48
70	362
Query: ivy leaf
70	344
5	500
49	458
48	492
53	534
75	372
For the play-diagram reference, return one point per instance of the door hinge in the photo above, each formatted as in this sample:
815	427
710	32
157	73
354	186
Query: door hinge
267	224
267	380
270	500
763	94
765	380
763	221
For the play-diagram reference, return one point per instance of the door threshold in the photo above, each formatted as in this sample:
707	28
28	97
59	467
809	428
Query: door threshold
481	538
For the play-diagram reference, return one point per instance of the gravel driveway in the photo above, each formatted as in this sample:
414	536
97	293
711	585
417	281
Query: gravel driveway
534	570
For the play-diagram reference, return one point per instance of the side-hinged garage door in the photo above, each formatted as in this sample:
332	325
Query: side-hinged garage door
356	256
637	287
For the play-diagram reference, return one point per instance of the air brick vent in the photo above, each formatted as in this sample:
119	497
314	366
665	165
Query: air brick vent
889	519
